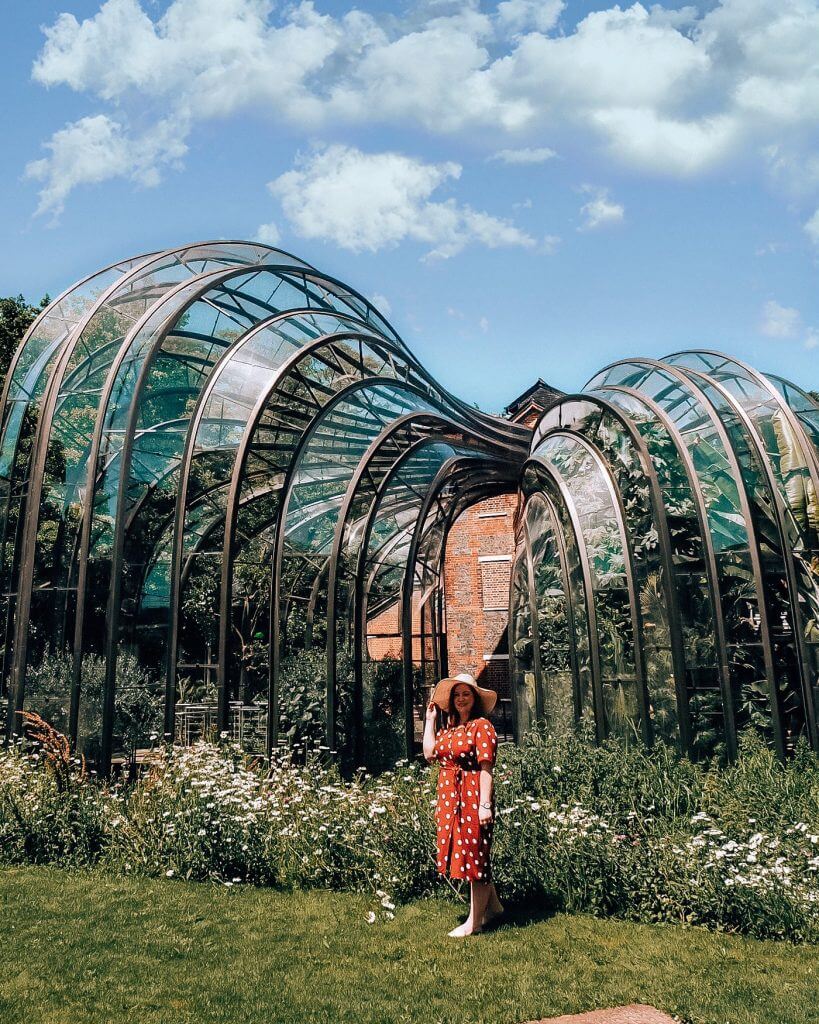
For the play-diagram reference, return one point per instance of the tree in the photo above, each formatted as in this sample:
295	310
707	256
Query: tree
16	316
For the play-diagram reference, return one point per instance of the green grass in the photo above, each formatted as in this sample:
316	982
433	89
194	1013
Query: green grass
91	948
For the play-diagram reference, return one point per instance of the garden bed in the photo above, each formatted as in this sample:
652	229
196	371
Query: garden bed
639	835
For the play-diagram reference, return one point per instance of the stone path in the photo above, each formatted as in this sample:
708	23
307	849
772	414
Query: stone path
619	1015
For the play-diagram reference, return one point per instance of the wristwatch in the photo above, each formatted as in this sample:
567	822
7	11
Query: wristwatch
487	806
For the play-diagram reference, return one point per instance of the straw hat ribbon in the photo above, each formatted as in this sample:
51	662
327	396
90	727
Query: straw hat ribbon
485	699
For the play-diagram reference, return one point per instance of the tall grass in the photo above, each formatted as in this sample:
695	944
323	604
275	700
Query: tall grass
633	833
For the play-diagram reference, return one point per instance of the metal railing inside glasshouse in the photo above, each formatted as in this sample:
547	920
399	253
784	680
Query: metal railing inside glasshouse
218	466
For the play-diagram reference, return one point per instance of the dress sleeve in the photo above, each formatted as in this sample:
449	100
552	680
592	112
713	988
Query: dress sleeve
486	741
436	754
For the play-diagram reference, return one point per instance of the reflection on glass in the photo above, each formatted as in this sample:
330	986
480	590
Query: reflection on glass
585	484
720	486
28	376
786	423
615	445
553	619
81	374
688	551
522	643
776	538
227	412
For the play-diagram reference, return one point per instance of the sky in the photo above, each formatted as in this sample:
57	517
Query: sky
526	189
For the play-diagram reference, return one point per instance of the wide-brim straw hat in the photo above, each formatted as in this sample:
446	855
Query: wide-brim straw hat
484	699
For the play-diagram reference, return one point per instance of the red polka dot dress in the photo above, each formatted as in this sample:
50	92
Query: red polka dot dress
463	844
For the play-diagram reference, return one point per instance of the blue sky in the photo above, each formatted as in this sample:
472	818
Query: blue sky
527	188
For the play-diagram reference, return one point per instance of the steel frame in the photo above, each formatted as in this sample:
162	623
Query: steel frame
660	522
377	513
708	551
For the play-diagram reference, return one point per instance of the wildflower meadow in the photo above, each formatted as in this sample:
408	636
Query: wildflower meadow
637	834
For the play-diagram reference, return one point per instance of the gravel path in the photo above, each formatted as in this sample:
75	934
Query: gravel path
619	1015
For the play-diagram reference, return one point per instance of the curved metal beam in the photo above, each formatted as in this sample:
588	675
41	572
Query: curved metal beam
630	573
753	541
547	475
40	447
660	521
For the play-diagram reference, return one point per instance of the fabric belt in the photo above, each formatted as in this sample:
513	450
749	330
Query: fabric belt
458	774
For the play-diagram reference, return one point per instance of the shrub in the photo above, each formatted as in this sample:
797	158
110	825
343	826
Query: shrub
138	698
50	811
199	813
640	834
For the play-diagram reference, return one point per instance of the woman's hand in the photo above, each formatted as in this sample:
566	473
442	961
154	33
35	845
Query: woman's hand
485	815
429	732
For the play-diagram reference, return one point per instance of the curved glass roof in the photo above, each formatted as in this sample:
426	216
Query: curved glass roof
224	476
192	444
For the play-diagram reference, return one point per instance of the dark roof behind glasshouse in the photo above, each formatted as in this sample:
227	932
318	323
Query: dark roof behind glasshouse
219	465
540	394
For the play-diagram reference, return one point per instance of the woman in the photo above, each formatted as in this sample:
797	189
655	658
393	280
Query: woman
465	810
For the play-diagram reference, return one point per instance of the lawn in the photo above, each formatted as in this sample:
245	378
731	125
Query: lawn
91	948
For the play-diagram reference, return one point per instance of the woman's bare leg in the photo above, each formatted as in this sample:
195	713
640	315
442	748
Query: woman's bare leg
494	907
479	897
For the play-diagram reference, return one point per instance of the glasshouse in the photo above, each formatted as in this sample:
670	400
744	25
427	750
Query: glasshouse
219	467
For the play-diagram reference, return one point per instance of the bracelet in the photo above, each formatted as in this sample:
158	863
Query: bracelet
487	806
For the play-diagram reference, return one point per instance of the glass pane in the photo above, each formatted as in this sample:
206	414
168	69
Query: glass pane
773	548
585	484
611	439
27	378
554	632
83	368
720	488
694	597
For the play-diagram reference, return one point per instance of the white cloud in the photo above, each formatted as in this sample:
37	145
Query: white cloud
268	234
614	58
684	18
527	155
780	321
382	303
551	244
115	49
599	211
670	92
209	57
371	201
96	149
435	75
786	323
645	139
483	323
812	228
520	15
770	249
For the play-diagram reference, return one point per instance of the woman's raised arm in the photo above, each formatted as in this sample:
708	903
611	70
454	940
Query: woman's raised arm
429	732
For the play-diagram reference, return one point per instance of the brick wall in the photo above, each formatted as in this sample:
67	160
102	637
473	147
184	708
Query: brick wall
476	588
476	578
383	638
478	562
382	635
